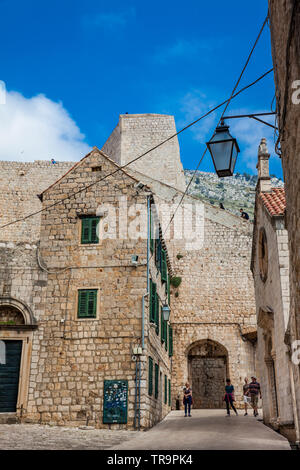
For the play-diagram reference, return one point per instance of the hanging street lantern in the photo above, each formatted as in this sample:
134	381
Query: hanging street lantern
166	312
223	149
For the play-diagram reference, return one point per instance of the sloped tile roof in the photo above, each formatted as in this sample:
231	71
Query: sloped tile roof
274	202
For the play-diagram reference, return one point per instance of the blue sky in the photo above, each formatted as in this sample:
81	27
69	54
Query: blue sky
71	67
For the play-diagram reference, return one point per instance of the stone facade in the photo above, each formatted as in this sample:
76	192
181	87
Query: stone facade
44	265
135	134
285	36
270	267
20	184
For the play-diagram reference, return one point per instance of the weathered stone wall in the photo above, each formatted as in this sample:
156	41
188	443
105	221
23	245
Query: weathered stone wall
215	299
71	357
135	134
272	304
75	356
20	183
285	35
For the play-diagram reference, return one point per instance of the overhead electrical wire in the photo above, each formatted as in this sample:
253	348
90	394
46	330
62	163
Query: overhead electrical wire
73	194
225	108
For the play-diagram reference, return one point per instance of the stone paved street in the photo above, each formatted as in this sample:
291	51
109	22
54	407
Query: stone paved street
39	437
206	429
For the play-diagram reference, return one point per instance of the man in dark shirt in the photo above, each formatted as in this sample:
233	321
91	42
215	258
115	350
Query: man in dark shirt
244	215
254	390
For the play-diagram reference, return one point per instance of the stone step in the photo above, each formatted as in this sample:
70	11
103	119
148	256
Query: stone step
8	418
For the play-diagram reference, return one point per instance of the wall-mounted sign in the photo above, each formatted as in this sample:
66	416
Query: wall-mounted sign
115	401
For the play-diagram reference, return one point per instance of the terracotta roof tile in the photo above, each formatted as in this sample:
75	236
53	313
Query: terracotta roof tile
274	202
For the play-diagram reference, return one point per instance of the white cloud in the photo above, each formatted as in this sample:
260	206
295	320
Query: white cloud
38	129
193	105
248	132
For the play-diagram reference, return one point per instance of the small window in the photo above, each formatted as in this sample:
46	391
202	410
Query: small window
89	230
87	303
263	255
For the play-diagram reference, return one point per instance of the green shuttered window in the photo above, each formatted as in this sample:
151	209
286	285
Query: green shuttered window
156	380
150	376
152	301
157	313
166	389
164	267
152	234
169	383
87	303
170	341
89	230
164	330
154	306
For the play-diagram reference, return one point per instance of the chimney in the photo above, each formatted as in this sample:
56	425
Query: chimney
264	180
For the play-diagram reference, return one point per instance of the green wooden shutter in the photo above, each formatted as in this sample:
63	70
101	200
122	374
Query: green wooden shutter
156	380
92	304
158	254
89	230
150	376
152	301
82	300
170	341
157	313
166	335
164	268
168	290
169	392
85	230
94	225
151	232
162	326
87	303
166	389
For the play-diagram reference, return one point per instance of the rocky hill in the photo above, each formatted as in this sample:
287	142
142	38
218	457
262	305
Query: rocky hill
235	192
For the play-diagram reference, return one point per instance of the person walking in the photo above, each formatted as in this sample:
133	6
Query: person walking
187	399
229	397
246	395
254	390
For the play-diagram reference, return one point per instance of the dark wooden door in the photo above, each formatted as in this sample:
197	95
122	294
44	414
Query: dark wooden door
9	376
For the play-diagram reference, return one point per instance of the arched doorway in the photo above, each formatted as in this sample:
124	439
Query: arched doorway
16	332
207	366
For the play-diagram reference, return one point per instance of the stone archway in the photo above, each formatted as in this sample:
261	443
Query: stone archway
208	368
16	333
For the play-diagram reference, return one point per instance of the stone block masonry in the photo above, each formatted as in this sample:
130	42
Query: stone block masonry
135	134
66	359
20	183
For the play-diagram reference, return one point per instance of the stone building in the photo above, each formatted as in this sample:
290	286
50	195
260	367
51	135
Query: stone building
82	285
285	36
270	267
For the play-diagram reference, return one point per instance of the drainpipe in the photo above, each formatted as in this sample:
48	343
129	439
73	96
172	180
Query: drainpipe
135	396
148	256
137	411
